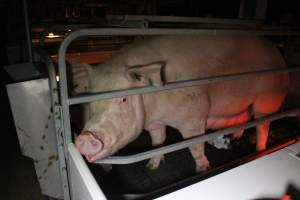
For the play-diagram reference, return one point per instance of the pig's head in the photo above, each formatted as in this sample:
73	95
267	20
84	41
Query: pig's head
114	123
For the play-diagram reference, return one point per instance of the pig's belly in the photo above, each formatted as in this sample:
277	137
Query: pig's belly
215	123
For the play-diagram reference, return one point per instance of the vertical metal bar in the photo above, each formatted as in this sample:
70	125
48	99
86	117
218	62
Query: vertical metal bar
28	31
65	115
56	112
241	9
58	127
261	9
64	93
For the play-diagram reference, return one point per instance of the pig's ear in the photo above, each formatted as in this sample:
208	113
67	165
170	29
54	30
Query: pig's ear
79	67
81	73
147	74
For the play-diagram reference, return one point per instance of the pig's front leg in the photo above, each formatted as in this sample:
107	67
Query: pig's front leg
157	133
197	150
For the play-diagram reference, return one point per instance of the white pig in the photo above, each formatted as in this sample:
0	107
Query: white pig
112	124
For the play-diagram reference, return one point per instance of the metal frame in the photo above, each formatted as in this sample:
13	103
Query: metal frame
57	114
66	101
186	143
28	33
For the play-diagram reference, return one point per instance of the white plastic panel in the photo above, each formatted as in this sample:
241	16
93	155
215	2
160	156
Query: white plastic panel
31	107
83	186
265	178
294	148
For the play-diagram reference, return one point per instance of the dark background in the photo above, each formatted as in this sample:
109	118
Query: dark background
43	13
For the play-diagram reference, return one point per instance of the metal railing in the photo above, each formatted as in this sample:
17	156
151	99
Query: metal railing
189	142
56	111
66	101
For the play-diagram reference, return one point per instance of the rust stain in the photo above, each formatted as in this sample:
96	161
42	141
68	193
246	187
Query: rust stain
52	157
50	163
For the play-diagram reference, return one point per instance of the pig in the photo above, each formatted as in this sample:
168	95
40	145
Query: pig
112	124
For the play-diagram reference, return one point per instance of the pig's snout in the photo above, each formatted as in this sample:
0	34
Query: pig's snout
89	145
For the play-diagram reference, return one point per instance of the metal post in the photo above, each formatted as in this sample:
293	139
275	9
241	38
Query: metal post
28	32
57	121
253	9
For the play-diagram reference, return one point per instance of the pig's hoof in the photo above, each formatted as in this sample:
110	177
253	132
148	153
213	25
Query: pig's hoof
154	162
237	135
202	165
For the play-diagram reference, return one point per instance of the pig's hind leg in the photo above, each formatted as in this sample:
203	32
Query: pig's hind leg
265	105
157	133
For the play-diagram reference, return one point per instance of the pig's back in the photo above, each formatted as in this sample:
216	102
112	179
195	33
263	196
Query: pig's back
190	57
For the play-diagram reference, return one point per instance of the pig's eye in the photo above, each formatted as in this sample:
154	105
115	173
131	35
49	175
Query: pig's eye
137	77
123	99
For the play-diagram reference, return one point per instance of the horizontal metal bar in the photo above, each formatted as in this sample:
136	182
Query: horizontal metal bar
174	85
169	31
59	28
187	143
175	19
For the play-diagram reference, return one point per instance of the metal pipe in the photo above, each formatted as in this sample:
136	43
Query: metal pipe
168	31
57	122
175	19
56	28
28	33
174	85
58	127
189	142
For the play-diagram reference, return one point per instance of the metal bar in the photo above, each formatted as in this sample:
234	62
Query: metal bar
175	19
168	31
57	122
200	139
60	28
174	85
28	33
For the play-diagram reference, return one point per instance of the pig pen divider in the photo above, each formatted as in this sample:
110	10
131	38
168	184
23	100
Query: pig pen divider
57	117
189	142
173	85
66	101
